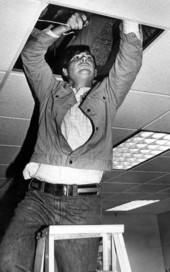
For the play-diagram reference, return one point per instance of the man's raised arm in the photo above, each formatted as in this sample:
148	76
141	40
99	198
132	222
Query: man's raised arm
38	72
127	64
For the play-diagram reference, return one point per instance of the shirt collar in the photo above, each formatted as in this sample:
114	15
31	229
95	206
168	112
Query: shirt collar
80	92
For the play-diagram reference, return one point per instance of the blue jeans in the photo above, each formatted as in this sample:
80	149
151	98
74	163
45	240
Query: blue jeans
37	211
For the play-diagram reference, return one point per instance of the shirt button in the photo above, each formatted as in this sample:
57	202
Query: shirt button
70	162
97	128
88	110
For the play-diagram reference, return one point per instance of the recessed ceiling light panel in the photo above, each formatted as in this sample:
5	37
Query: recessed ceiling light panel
142	146
132	205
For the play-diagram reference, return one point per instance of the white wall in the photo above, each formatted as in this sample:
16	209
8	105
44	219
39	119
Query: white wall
142	240
164	228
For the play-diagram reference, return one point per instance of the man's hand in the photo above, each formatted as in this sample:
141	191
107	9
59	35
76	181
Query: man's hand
76	21
129	26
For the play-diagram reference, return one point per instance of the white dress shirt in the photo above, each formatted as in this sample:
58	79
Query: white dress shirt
76	128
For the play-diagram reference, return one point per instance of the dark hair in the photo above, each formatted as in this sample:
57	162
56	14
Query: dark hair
73	50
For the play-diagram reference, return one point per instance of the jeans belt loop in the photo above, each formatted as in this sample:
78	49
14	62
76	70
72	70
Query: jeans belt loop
98	189
75	190
42	187
29	185
67	190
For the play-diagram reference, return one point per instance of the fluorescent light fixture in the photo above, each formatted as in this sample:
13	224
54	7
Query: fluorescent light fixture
132	205
142	146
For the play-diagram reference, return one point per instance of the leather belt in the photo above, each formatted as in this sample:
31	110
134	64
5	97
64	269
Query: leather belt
64	189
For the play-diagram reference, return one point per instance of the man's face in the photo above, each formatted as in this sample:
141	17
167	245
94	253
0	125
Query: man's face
81	67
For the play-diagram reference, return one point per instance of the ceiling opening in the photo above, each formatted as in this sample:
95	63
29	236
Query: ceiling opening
101	34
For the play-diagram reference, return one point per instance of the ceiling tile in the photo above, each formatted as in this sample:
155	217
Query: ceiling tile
154	74
161	124
124	196
109	204
150	14
149	188
161	180
13	131
166	191
134	177
120	134
18	18
165	154
15	97
3	169
157	196
5	184
9	154
108	195
141	113
157	164
115	187
109	175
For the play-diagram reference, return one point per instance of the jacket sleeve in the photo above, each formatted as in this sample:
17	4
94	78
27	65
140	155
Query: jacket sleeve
125	69
37	70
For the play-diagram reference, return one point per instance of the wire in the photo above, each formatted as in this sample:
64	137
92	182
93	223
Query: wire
53	22
59	23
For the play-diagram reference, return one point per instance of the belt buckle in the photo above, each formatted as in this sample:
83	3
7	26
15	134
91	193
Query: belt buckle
71	190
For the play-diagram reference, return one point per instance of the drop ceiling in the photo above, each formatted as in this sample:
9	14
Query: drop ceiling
147	106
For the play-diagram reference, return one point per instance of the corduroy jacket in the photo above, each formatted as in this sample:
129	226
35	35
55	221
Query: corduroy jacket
100	105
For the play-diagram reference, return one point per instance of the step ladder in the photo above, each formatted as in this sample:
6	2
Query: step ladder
114	250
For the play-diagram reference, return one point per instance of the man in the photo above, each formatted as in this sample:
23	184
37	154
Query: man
73	148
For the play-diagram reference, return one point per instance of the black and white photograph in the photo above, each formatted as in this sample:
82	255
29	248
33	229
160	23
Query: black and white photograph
84	136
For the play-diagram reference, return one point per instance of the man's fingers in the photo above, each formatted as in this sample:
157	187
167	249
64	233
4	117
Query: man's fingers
84	17
76	21
79	21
